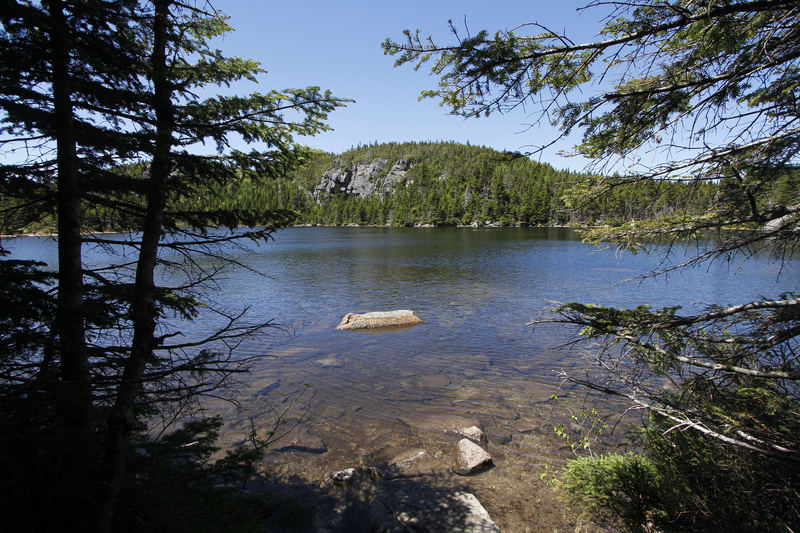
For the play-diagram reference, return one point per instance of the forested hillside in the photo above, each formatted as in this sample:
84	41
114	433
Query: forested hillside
432	183
445	183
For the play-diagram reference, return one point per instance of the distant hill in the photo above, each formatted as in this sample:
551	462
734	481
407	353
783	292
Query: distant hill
431	183
427	183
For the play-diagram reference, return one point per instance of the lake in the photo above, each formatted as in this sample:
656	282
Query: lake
476	289
366	398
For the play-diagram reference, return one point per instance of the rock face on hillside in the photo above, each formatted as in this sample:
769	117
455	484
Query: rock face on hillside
379	319
361	179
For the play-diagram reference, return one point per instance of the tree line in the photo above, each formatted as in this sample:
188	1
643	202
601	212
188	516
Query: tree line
452	184
447	184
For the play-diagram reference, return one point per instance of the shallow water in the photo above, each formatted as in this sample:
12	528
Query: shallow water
338	399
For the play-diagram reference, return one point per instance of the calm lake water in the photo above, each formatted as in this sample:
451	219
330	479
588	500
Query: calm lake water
366	397
475	356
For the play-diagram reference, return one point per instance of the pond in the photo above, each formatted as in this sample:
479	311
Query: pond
348	399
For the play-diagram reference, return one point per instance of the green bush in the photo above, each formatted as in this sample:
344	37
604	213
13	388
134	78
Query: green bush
685	482
716	487
626	486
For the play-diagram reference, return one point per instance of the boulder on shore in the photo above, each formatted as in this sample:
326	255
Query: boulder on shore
471	459
379	319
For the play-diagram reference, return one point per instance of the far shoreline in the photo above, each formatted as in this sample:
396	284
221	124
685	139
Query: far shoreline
422	226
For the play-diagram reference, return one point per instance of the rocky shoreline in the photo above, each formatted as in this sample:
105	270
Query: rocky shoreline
401	503
432	481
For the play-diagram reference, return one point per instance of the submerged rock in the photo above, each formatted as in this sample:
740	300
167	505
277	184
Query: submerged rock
473	433
264	391
379	319
499	435
301	441
354	476
331	362
471	459
344	477
412	463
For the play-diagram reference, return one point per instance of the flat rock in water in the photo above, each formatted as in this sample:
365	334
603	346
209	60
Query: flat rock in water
471	459
436	422
264	391
405	506
331	362
499	435
526	426
379	319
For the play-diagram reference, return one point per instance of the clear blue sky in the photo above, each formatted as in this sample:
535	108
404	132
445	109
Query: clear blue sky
336	46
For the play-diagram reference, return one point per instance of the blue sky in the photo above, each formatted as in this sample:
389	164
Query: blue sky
336	46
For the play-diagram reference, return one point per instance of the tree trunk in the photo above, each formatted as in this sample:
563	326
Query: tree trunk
73	394
122	419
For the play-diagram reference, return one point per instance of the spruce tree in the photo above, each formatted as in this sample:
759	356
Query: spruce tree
691	97
102	113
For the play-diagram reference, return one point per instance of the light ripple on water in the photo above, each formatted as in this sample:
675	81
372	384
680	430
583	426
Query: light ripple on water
473	360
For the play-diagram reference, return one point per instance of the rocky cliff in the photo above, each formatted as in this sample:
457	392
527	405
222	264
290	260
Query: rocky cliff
361	179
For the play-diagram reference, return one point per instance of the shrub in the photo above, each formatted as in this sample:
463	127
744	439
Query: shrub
627	486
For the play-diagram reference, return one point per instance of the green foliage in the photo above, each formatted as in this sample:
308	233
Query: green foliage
586	422
447	184
101	117
711	486
684	482
628	486
721	387
26	310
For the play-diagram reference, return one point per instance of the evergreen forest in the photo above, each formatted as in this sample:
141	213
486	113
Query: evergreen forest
452	184
446	184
